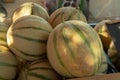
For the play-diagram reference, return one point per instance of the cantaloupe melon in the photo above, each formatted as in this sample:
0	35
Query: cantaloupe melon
39	70
74	49
27	37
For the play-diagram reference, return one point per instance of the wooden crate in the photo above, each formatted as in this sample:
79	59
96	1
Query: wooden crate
112	76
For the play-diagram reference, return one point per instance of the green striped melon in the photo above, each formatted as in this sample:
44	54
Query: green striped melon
3	32
38	70
27	37
30	8
74	49
8	64
65	14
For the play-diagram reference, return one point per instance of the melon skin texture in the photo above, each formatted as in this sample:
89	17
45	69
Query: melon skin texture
64	14
3	32
8	64
30	8
74	49
27	37
39	70
104	64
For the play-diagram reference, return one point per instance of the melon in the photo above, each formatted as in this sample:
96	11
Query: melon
38	70
65	14
30	8
74	49
27	37
8	64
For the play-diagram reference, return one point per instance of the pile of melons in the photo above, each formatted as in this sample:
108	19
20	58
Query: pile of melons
36	45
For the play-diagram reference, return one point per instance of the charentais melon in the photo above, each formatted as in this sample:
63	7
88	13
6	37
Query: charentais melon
74	49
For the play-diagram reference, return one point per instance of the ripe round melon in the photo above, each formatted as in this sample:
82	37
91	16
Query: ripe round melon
38	70
8	64
65	14
30	8
27	37
3	32
74	49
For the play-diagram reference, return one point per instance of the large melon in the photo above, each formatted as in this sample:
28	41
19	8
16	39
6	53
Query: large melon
74	49
8	64
30	8
38	70
65	14
27	37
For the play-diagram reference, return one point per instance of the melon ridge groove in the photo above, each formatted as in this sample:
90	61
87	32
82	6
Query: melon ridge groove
30	39
41	68
7	64
30	27
38	75
57	54
30	55
82	35
32	17
69	49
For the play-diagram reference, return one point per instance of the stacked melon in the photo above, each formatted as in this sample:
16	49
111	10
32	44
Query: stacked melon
74	49
8	62
52	47
27	38
38	70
